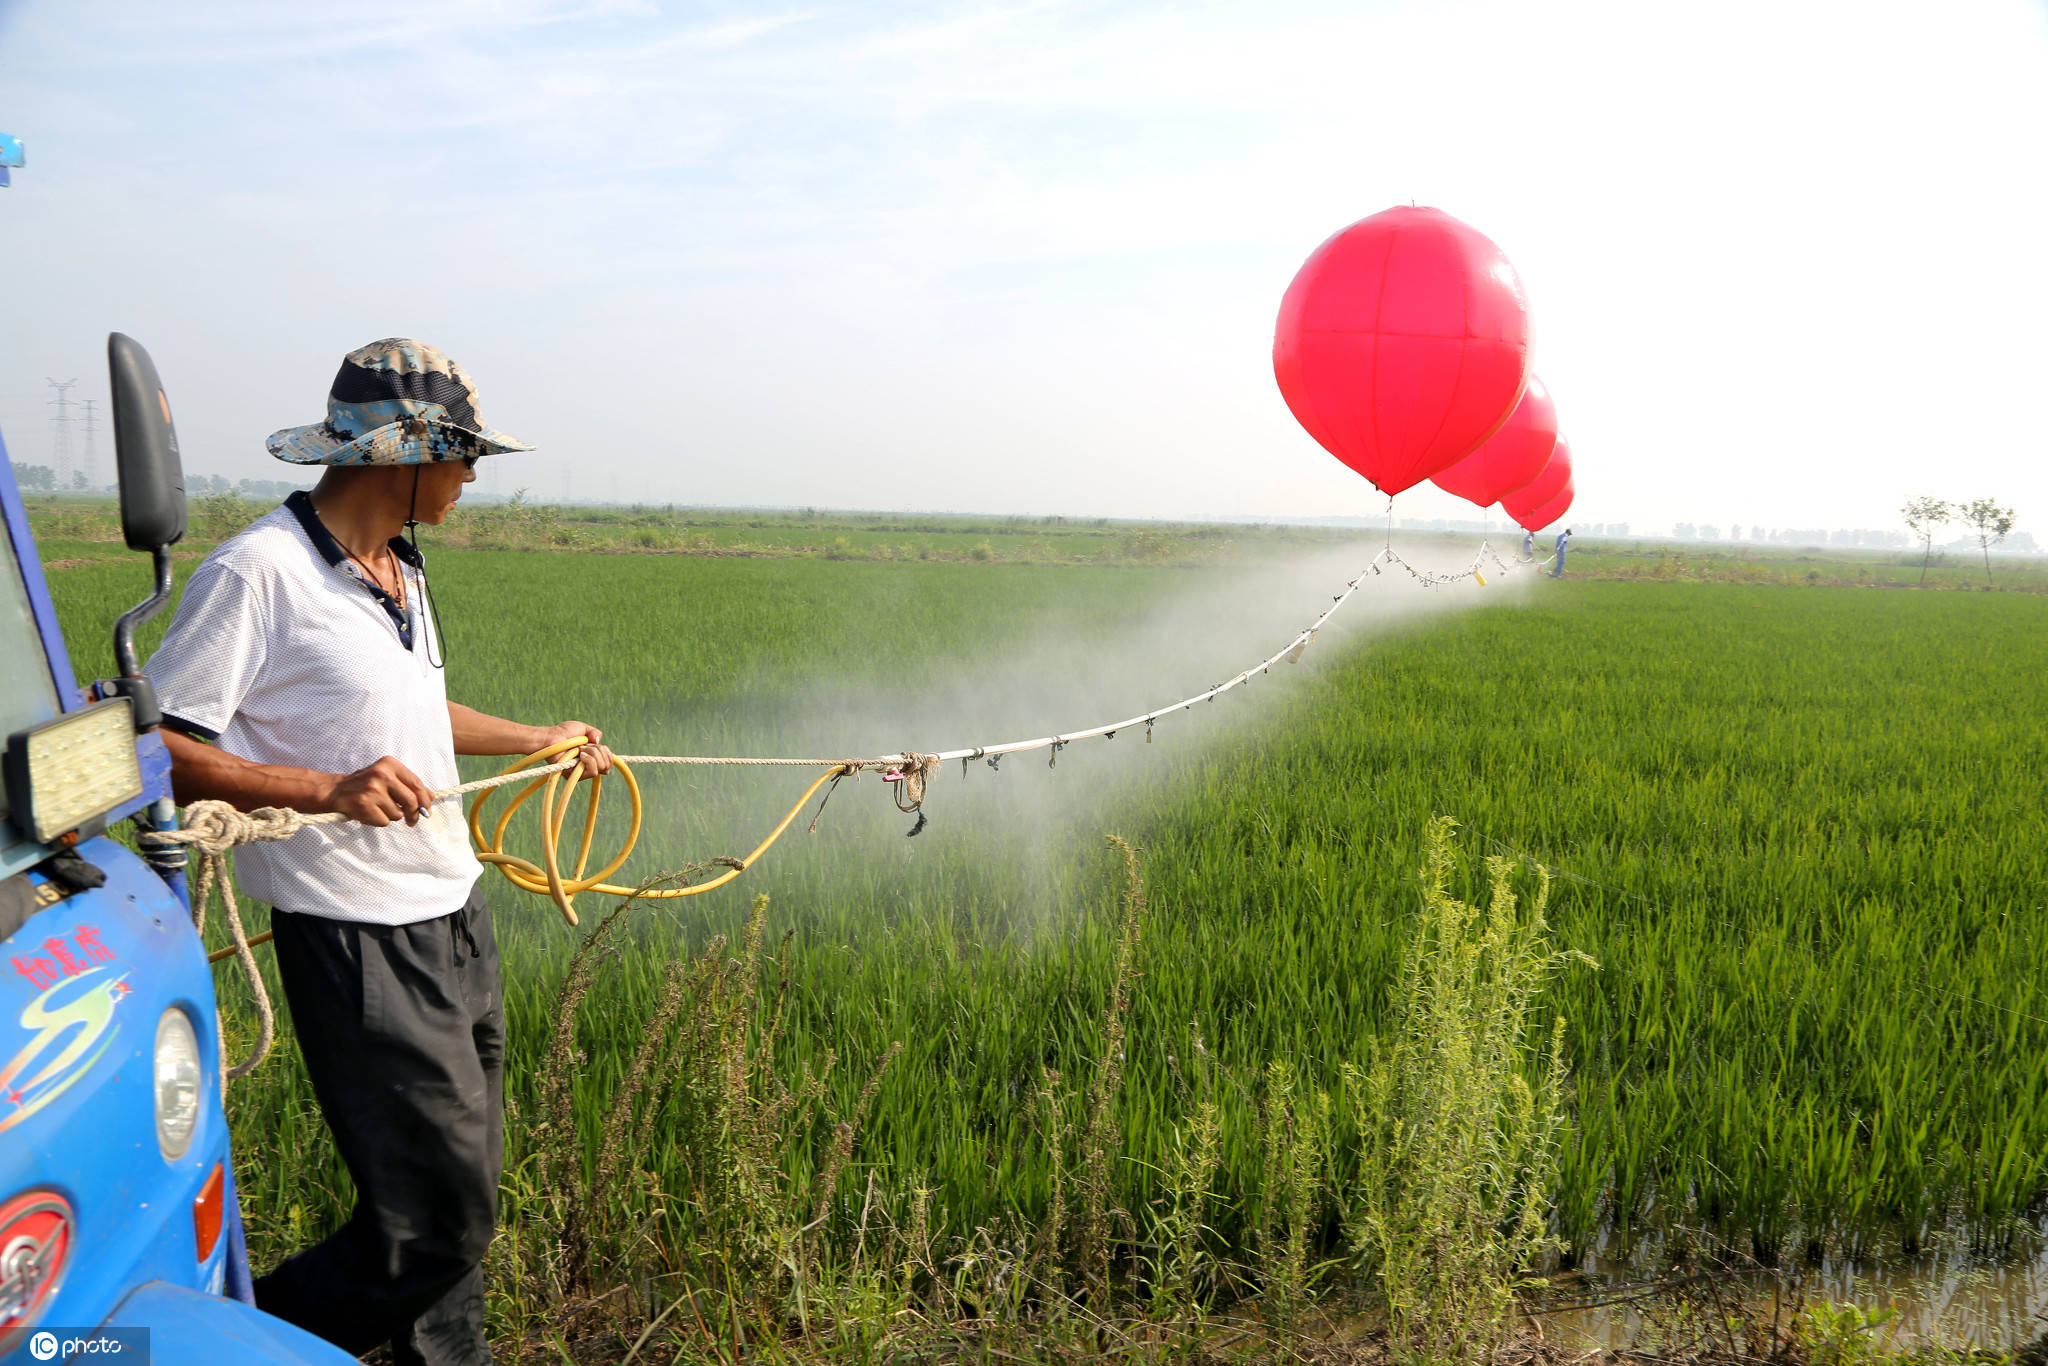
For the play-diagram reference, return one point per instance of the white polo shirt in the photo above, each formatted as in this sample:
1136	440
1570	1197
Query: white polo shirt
283	652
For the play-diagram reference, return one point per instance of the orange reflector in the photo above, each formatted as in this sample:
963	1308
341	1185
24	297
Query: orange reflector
206	1214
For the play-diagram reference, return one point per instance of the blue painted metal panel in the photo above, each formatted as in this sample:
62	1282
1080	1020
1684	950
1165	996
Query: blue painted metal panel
108	963
83	985
45	612
16	853
10	151
155	758
190	1329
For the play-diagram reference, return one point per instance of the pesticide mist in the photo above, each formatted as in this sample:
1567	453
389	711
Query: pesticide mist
1035	666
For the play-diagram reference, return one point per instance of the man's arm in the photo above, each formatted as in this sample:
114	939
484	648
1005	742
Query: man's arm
478	732
384	792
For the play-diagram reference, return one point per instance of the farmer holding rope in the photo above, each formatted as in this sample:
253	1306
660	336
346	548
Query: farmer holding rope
303	669
1564	541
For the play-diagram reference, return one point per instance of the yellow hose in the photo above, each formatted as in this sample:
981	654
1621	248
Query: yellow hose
545	878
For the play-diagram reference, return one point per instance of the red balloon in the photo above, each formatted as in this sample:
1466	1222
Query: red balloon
1402	344
1525	502
1514	456
1553	511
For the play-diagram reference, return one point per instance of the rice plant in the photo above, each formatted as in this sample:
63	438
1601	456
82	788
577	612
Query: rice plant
1800	829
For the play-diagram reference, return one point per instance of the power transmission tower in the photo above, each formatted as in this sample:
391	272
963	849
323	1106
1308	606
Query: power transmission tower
92	463
60	427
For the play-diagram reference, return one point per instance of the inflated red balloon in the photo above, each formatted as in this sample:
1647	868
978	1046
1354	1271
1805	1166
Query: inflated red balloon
1512	458
1553	511
1402	344
1530	499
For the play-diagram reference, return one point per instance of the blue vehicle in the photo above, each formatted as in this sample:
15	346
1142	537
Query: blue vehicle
120	1238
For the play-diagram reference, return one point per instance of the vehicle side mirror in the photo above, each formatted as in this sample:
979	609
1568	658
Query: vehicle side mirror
145	449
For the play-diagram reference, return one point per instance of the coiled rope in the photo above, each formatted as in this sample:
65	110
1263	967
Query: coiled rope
212	828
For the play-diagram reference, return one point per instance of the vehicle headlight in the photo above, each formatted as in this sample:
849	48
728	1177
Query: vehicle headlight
177	1083
63	773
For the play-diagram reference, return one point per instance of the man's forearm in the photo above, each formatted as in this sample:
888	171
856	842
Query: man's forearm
201	772
479	732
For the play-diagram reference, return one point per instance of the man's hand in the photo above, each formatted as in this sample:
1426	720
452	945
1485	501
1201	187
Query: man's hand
596	758
481	733
380	794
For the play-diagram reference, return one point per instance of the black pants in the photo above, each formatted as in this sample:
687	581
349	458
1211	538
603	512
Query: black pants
403	1031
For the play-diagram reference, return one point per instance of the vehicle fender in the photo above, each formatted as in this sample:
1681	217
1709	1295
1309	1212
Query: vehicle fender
192	1328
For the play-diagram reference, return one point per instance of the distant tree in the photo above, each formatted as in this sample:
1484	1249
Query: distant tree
1685	531
1925	516
1991	523
1710	533
1618	529
35	478
78	484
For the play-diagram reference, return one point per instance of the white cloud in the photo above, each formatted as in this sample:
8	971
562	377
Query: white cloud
1782	258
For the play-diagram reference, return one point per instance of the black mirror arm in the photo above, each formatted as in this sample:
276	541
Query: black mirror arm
131	683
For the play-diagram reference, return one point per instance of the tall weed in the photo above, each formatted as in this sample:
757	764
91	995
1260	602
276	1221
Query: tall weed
1460	1145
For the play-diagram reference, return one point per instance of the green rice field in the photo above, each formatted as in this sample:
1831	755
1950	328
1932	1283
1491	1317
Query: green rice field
1800	828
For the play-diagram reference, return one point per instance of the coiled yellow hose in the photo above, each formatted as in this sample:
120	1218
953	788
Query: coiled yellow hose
545	878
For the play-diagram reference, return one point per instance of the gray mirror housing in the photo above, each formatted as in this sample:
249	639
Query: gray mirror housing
145	449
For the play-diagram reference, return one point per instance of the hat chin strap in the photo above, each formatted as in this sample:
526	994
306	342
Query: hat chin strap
436	655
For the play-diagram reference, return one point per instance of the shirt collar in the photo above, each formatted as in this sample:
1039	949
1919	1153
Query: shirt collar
330	550
301	505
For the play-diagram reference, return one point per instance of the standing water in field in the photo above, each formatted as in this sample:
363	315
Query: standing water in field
1951	1302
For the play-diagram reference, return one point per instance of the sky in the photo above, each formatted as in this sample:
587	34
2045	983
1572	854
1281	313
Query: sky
1787	262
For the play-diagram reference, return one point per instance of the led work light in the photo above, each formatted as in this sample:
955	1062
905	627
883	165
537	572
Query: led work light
64	774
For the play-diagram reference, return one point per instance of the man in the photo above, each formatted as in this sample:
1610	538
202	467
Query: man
304	669
1564	539
1528	545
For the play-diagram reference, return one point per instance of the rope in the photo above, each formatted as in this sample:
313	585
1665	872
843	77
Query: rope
213	871
212	828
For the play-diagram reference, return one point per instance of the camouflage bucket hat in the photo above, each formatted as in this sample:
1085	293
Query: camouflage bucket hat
394	402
